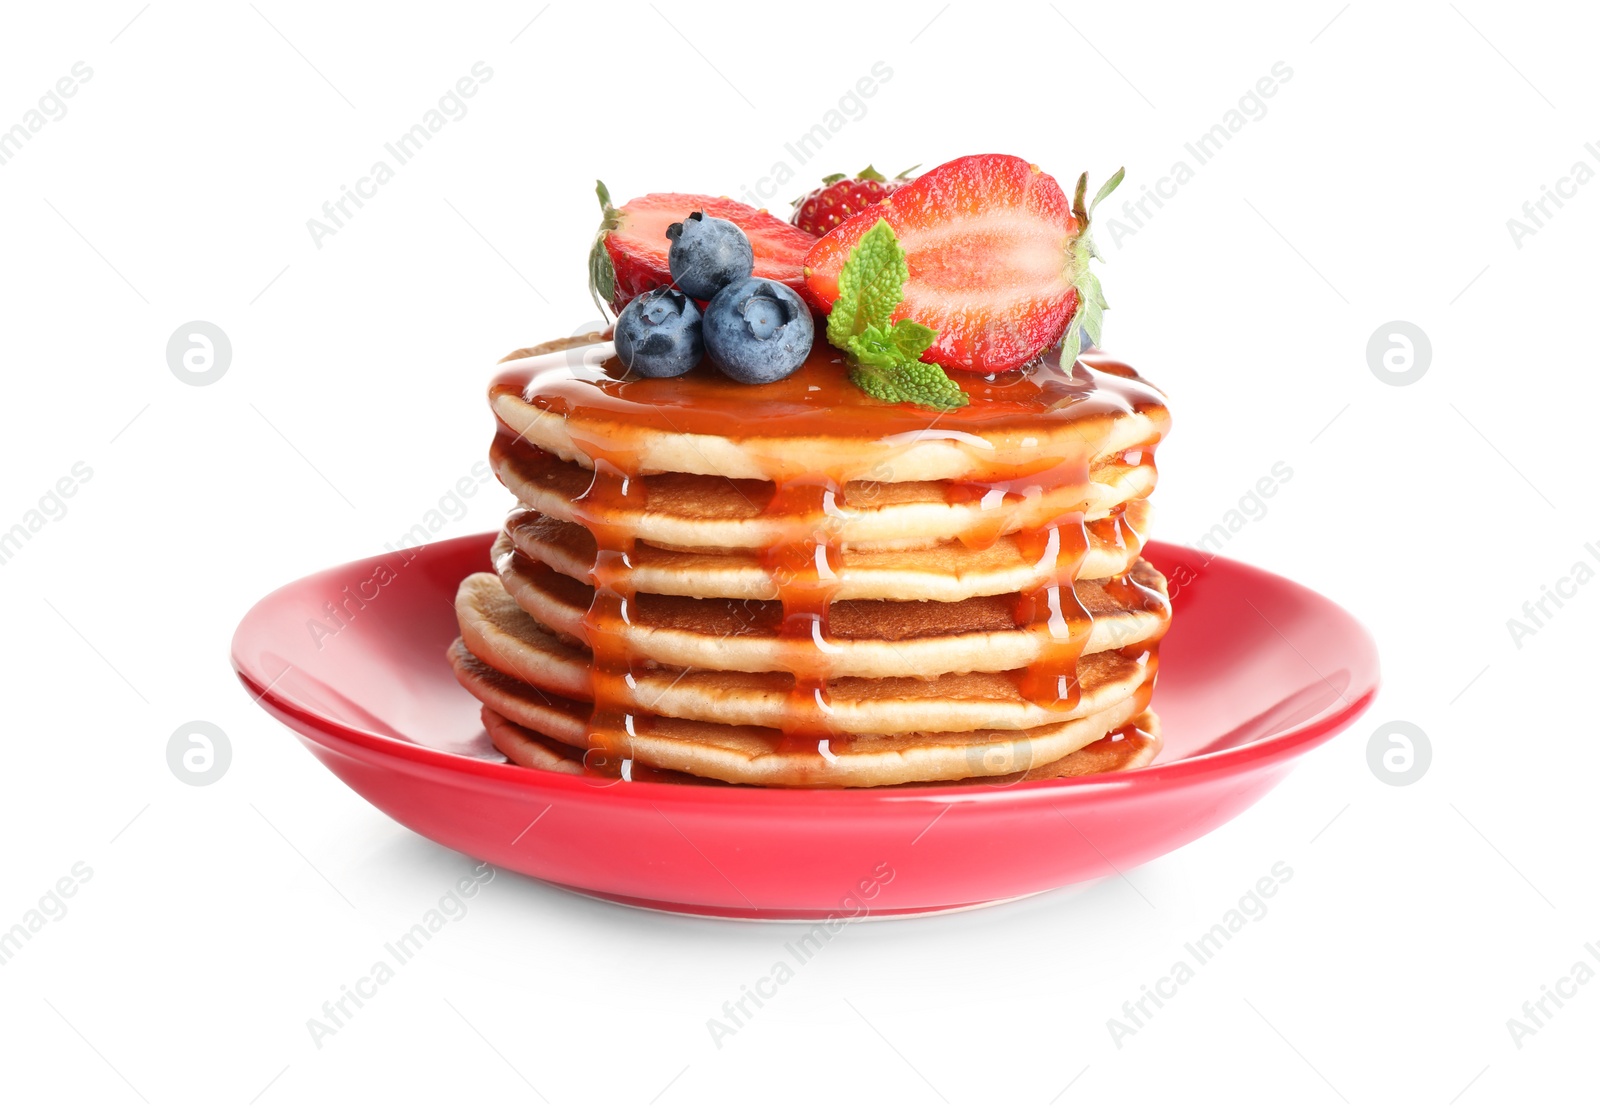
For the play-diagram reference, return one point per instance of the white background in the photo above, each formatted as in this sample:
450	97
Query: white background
1376	188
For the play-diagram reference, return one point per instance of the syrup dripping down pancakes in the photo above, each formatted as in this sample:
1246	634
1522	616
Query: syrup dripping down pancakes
796	585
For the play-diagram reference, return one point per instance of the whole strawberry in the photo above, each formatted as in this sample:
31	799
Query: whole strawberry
839	197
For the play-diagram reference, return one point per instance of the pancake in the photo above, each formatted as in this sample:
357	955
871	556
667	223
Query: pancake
945	572
576	406
690	511
535	751
528	748
1134	745
797	585
1131	746
762	756
500	634
865	638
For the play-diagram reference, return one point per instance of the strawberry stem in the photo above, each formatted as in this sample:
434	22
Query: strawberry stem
1077	202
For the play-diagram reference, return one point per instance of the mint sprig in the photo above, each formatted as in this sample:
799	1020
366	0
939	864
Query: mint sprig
1090	315
886	358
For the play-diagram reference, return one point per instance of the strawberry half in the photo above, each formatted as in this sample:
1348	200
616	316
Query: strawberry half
629	256
998	260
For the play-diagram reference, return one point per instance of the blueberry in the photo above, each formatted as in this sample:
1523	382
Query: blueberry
658	334
758	330
707	254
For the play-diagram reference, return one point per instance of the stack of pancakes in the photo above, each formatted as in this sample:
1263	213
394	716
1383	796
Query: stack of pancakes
796	585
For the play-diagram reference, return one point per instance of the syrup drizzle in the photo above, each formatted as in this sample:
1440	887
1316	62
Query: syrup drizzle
1008	477
805	568
614	719
1054	611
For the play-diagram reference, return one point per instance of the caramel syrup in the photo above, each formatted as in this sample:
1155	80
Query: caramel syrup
805	568
1052	608
1000	429
614	719
610	416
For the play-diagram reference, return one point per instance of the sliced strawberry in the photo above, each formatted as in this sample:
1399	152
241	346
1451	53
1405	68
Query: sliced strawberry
630	251
998	260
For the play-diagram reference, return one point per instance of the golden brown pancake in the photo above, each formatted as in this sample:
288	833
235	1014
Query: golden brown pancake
503	636
1131	746
865	638
763	756
691	511
946	571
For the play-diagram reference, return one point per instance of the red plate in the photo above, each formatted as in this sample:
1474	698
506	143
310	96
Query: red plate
1255	672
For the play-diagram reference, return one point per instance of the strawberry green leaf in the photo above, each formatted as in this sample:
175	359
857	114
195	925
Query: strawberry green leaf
1106	189
884	356
1071	345
1089	318
602	274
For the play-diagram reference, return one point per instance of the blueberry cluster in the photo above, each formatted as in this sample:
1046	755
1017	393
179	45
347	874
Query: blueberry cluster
754	330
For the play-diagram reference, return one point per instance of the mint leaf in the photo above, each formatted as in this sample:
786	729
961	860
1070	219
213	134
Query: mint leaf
920	383
885	358
870	284
911	337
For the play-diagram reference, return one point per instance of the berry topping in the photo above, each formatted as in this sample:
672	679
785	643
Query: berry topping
658	334
630	251
706	254
839	197
758	331
997	260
